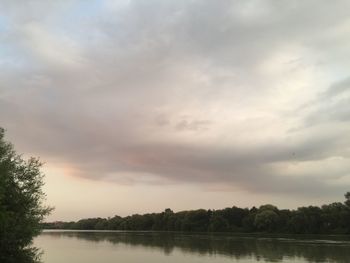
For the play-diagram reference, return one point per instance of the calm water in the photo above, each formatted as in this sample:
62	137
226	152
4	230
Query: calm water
132	247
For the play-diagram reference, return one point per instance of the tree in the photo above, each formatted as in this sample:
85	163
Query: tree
21	203
218	224
267	218
307	220
347	197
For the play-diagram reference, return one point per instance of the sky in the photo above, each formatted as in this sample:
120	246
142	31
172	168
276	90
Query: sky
136	106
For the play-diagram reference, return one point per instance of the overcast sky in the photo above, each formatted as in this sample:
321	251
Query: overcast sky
136	106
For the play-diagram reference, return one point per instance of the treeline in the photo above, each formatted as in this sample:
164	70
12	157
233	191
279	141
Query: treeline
327	219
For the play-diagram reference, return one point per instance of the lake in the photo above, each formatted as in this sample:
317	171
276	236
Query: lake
132	247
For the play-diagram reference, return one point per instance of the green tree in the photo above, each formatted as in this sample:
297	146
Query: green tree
266	219
307	220
21	204
347	197
218	224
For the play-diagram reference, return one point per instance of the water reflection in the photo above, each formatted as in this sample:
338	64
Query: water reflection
270	249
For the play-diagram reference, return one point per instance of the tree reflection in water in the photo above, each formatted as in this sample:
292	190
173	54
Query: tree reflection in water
268	248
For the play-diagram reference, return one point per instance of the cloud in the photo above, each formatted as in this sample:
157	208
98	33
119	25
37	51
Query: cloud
164	92
338	88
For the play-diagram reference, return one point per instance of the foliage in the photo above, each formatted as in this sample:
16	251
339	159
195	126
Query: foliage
328	219
347	197
266	220
21	203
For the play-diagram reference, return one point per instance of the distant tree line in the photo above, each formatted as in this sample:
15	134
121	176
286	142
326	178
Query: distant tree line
328	219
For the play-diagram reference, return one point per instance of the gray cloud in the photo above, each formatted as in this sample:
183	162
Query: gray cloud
338	88
199	92
330	106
